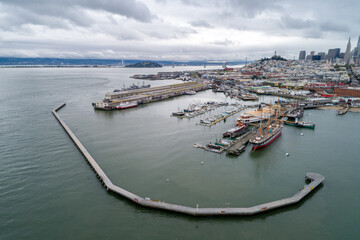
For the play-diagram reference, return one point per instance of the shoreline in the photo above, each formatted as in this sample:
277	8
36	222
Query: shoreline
353	109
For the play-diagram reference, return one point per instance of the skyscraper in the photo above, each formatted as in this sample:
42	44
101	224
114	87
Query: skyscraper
322	55
358	44
309	57
302	55
347	53
333	53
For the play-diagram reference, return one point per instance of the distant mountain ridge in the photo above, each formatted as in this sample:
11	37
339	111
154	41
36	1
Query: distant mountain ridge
101	62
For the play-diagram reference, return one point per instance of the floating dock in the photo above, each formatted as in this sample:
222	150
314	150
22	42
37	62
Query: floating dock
315	178
239	144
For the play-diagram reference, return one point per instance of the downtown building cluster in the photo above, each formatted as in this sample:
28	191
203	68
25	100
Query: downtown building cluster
335	55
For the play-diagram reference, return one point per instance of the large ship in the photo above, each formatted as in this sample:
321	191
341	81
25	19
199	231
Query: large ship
256	115
267	135
248	97
133	87
296	113
248	118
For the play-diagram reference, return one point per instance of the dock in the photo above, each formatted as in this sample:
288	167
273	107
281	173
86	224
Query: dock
222	118
343	110
315	178
238	146
147	95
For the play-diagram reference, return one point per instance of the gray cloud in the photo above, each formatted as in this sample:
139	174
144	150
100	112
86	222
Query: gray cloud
296	23
330	26
245	8
74	9
200	23
224	42
254	7
174	29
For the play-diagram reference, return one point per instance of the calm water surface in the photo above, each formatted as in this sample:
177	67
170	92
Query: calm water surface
48	191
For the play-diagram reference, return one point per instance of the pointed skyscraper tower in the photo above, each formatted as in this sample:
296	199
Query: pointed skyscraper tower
347	53
358	44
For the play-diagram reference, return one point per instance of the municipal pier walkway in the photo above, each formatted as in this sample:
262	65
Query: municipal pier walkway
315	179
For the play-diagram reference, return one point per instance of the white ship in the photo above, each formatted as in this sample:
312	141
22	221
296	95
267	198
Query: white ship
124	105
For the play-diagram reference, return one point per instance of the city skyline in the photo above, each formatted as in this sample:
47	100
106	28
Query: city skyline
177	30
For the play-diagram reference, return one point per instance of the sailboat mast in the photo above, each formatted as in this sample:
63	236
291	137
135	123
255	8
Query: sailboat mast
261	122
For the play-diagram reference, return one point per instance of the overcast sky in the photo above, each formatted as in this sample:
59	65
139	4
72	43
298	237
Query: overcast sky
175	29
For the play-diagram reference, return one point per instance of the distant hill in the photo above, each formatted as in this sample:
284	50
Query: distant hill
57	61
275	57
144	65
64	62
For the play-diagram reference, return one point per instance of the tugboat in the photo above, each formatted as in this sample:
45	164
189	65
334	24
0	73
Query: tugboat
301	124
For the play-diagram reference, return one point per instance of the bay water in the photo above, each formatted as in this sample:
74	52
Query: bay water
47	190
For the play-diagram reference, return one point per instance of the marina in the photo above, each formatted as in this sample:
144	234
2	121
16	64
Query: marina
220	117
314	178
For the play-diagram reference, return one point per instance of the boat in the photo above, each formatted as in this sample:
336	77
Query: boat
206	121
235	131
256	115
145	85
300	124
214	148
247	118
296	113
133	87
265	138
223	143
190	93
178	114
124	105
306	125
248	97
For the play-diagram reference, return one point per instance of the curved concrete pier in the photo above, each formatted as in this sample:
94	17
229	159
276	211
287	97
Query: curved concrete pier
315	179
